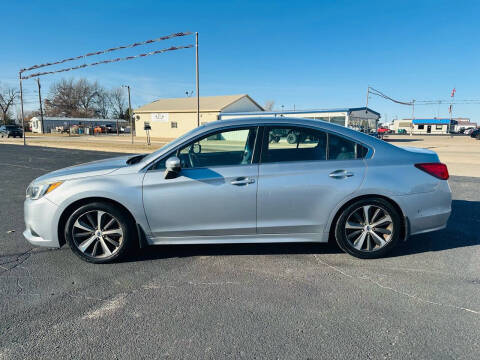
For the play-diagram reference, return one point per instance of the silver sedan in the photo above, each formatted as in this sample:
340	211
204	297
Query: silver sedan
265	180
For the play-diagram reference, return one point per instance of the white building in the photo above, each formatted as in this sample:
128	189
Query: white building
170	118
422	126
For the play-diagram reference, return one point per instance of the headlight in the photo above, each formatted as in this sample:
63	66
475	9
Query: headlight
35	192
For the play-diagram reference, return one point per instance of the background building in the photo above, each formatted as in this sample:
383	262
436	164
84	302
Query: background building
362	118
463	123
431	126
170	118
50	123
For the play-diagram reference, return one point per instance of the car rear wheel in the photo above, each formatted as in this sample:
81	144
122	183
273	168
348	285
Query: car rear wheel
100	233
368	228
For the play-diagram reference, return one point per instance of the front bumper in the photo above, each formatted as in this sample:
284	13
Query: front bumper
41	219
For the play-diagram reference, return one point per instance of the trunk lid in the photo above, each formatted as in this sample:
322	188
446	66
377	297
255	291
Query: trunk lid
424	155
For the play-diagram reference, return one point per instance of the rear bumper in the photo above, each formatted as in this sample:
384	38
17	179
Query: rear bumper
427	211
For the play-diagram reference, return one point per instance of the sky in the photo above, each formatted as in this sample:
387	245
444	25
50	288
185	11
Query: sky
303	54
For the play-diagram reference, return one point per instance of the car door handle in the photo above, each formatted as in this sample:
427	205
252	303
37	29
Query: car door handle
242	181
340	174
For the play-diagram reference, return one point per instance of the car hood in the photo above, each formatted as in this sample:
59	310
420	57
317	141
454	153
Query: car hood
94	168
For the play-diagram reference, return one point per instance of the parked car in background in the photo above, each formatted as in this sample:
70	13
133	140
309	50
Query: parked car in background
474	133
99	129
109	129
11	131
383	130
226	182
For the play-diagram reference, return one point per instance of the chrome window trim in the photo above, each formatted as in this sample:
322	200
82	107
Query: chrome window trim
369	155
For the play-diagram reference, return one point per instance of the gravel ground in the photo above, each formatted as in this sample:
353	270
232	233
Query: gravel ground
236	301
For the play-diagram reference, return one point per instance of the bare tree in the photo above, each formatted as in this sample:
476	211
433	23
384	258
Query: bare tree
7	98
76	99
63	99
103	103
269	105
83	98
118	103
87	96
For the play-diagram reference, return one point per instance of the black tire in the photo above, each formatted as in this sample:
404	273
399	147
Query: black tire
342	234
127	242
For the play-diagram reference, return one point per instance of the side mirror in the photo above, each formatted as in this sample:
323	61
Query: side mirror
173	167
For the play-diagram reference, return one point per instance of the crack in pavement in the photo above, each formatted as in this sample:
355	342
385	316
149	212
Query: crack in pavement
400	292
25	167
17	262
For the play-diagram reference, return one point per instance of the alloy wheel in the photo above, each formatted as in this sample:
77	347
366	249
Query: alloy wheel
369	228
97	234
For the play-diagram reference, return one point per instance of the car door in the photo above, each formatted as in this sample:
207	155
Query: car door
303	175
215	192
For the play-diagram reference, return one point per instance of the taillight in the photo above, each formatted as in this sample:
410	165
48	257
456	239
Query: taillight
438	170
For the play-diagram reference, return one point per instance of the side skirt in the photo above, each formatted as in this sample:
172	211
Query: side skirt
241	239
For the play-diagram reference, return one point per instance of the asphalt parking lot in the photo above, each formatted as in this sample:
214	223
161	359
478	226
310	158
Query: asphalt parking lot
236	301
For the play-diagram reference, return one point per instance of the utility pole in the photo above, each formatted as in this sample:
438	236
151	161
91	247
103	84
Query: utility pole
130	112
197	79
368	93
40	101
21	102
413	116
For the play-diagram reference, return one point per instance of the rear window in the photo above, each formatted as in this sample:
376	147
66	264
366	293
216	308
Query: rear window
340	148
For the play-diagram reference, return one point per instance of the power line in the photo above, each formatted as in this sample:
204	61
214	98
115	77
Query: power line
108	61
382	95
439	102
107	50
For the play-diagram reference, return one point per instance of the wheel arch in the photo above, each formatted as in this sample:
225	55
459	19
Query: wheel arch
76	204
404	219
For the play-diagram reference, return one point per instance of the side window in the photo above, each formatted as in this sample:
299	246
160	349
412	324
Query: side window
226	148
294	144
340	148
361	151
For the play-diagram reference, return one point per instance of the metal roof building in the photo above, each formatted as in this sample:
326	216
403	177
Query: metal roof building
50	123
358	118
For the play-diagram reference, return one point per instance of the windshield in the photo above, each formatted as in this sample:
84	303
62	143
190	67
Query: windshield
178	140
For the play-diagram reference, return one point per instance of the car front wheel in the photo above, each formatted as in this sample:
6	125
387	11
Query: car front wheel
100	233
368	228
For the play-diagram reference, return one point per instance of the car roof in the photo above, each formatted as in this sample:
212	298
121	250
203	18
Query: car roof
386	150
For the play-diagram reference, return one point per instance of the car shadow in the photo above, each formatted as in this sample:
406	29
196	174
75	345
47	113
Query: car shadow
179	251
461	231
